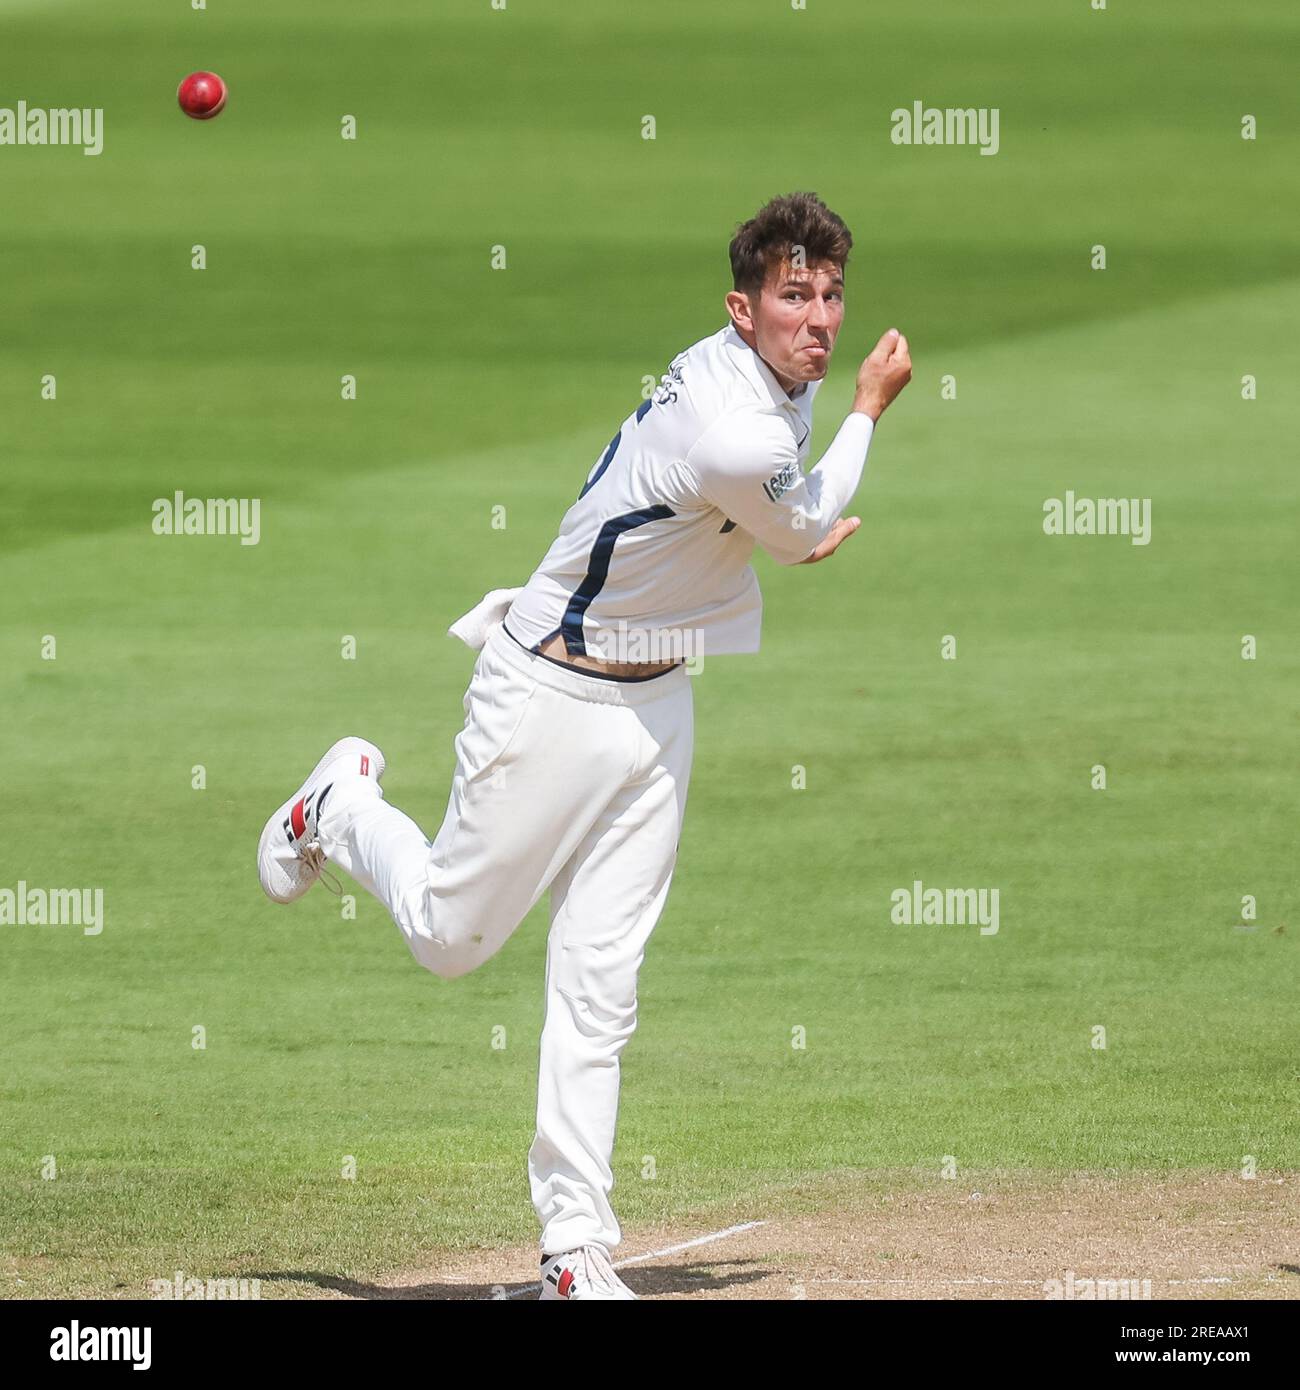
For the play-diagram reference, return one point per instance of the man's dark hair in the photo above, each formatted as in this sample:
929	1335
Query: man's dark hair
771	235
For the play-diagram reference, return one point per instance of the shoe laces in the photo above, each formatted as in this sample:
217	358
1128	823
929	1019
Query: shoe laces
313	856
598	1267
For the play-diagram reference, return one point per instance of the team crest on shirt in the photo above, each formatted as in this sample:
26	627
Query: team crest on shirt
665	393
782	480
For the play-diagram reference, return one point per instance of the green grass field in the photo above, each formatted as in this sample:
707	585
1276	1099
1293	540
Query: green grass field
478	388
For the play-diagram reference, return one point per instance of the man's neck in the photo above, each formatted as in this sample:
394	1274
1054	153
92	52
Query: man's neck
793	389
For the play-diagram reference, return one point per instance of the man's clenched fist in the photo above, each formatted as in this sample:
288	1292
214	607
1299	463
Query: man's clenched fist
883	374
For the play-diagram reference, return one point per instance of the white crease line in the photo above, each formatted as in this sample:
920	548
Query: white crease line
965	1283
659	1254
935	1283
690	1244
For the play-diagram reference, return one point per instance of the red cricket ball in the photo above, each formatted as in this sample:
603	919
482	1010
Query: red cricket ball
202	95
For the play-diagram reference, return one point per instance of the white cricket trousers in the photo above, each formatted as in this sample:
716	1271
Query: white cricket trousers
566	781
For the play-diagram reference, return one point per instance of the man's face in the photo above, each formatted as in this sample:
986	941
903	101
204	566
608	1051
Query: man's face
793	323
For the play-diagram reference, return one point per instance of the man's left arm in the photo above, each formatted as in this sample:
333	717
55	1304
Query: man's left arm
883	374
749	469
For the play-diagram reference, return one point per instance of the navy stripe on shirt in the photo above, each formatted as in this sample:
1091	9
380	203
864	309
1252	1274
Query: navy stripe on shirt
598	571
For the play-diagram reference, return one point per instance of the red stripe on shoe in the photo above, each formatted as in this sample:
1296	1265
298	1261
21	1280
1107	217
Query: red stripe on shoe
297	820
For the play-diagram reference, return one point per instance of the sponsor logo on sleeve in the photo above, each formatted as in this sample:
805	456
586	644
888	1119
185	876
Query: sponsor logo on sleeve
782	480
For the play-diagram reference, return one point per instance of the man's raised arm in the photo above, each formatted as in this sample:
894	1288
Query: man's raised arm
753	474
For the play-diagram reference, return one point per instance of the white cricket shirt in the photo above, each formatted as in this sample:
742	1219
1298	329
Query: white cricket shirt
652	560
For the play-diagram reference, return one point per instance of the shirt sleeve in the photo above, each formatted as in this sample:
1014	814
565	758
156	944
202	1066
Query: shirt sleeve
748	467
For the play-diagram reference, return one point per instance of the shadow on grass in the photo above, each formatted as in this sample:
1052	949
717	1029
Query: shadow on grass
646	1281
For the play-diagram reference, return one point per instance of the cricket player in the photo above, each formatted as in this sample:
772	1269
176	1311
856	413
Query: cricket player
573	764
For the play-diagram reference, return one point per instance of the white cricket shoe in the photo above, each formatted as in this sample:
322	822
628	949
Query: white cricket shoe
582	1273
289	856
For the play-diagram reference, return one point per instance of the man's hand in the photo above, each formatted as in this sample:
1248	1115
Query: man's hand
839	533
883	375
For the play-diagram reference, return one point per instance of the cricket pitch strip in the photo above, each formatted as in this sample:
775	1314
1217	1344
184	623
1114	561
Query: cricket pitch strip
993	1236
